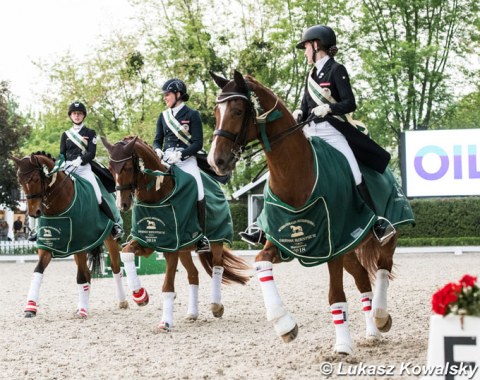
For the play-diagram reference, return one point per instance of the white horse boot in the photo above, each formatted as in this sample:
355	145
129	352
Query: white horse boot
119	291
192	310
166	324
283	321
83	300
343	343
372	332
33	295
217	307
380	313
140	295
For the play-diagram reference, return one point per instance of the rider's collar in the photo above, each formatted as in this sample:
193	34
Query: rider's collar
177	108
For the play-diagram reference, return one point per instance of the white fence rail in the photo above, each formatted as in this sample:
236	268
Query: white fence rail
21	247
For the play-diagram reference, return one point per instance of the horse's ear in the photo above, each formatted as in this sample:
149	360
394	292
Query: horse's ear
105	142
220	81
14	159
240	82
128	149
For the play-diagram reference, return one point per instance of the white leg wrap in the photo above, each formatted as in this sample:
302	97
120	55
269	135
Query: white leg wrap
167	314
133	280
217	274
192	310
276	312
343	343
34	291
379	302
119	291
371	329
83	298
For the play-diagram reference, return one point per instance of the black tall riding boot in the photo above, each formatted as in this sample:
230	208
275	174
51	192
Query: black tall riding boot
253	235
117	231
382	229
203	245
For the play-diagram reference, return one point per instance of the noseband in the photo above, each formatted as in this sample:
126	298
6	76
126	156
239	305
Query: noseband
239	140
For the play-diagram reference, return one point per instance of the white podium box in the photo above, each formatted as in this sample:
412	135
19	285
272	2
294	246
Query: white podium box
453	348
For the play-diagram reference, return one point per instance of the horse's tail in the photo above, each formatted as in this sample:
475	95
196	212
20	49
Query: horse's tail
235	268
95	258
371	253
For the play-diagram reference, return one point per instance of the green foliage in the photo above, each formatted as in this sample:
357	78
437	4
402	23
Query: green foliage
13	133
445	218
239	213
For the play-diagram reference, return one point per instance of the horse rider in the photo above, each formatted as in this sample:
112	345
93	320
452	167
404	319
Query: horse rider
328	93
78	147
179	136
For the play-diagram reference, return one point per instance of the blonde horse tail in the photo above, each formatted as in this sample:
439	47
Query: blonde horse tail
371	255
236	269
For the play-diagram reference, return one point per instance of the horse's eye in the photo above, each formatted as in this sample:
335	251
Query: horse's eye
237	112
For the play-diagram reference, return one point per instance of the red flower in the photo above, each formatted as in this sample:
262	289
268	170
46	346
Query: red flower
459	298
468	280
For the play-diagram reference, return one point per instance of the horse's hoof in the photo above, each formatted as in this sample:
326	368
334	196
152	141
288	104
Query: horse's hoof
191	317
164	327
123	305
343	349
30	314
217	310
291	335
141	297
373	336
81	314
384	324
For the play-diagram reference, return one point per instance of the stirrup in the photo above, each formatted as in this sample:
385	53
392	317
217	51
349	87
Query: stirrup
117	232
32	237
203	245
387	230
253	235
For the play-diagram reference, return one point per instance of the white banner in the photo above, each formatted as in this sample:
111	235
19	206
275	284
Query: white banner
442	163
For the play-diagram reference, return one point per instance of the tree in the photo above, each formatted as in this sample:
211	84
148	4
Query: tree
410	50
13	132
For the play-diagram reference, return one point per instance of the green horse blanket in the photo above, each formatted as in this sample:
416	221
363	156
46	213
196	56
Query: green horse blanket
82	226
335	218
172	224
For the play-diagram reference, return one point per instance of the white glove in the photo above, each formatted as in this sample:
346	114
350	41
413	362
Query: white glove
321	110
159	153
297	115
77	162
174	157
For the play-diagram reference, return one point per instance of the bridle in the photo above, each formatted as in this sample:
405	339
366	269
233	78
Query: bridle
132	186
44	186
257	117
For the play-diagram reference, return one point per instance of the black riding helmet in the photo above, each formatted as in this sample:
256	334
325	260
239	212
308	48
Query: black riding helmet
176	85
323	33
77	106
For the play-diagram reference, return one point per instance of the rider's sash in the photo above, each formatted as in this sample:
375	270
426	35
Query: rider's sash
175	126
322	95
77	139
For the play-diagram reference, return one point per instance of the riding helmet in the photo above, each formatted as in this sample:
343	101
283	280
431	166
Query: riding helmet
323	33
77	106
174	85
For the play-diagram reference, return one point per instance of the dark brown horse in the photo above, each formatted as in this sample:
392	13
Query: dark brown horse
131	160
242	110
51	196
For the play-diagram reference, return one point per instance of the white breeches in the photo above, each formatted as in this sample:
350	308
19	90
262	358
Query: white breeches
189	166
329	134
85	171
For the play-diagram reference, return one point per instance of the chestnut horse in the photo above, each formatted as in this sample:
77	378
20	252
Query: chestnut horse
50	196
246	111
136	168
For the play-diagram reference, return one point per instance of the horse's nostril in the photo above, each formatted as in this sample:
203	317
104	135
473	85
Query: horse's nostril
219	162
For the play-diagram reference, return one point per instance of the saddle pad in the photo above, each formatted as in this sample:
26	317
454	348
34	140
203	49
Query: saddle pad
335	218
82	227
172	224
